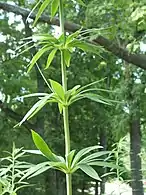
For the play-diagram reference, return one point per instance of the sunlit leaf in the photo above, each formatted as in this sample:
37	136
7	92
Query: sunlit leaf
89	171
34	95
37	56
103	164
67	56
41	10
37	4
82	152
60	106
57	88
50	58
54	7
71	37
36	107
94	155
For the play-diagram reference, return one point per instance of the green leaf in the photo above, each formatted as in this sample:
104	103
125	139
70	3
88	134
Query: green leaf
50	58
96	98
44	101
41	170
94	155
71	37
59	165
103	164
34	95
37	56
45	37
87	47
90	84
35	108
54	7
42	146
70	157
33	169
89	171
82	152
42	8
57	88
60	106
81	2
34	152
67	56
37	4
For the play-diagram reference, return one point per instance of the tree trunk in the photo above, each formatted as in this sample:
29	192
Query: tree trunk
83	187
96	188
135	148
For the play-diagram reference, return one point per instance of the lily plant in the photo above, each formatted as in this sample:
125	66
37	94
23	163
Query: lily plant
87	158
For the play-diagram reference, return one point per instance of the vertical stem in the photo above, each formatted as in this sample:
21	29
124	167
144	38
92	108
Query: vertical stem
65	109
13	164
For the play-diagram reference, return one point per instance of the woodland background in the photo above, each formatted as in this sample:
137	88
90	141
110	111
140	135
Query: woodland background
122	61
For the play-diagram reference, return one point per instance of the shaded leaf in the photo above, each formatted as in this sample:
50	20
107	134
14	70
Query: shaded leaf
103	164
96	98
41	170
70	157
42	146
33	169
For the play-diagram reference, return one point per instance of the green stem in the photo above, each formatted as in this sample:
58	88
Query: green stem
65	109
13	166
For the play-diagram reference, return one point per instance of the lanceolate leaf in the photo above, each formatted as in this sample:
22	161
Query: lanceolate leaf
70	157
103	164
37	56
33	169
37	4
67	56
82	152
89	171
87	47
50	58
41	170
90	84
42	146
57	88
94	156
97	98
54	7
34	95
71	37
35	108
60	106
42	8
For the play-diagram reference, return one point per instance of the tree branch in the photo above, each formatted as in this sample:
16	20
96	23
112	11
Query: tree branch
136	59
17	117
